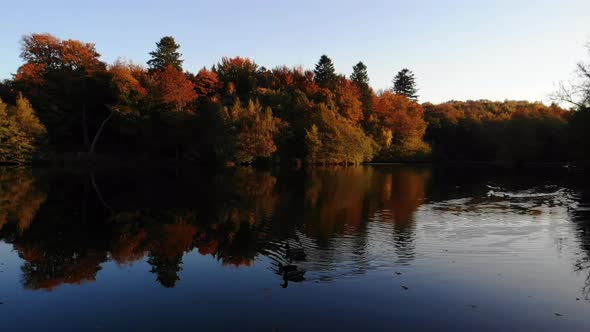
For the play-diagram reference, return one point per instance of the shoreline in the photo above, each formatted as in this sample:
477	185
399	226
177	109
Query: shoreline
103	162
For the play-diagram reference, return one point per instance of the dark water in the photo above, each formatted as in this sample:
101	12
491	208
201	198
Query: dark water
346	249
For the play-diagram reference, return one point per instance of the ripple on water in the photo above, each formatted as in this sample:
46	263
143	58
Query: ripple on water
515	228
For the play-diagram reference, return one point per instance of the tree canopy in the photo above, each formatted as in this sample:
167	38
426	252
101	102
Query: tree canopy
65	101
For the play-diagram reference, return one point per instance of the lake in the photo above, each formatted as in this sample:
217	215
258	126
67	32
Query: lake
372	248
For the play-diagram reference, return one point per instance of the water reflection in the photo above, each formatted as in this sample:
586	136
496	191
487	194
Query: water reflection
579	211
316	224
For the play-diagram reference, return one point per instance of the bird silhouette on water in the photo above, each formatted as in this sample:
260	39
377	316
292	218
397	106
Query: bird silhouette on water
293	271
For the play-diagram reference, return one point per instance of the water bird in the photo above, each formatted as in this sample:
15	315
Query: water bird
295	254
291	272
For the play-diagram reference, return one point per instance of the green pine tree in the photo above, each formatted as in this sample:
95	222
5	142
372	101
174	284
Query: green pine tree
361	78
359	74
325	75
404	83
166	54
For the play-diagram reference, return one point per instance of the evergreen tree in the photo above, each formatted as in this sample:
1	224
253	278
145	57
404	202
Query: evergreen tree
404	84
325	75
359	75
361	79
166	54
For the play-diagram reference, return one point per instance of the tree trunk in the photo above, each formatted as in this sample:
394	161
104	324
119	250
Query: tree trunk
98	132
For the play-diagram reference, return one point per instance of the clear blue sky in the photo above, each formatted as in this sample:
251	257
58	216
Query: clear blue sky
458	49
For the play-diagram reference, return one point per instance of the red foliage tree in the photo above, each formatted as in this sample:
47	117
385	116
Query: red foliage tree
207	85
348	100
125	81
174	88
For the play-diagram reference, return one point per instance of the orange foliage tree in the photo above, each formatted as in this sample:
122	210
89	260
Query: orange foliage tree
174	88
66	83
402	126
348	100
207	86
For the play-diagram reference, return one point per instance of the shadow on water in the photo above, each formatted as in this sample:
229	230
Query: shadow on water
316	224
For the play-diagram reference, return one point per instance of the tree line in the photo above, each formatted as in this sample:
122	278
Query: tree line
65	103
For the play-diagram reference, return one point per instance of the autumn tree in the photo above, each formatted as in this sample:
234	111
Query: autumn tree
348	100
166	54
239	77
21	132
332	139
126	84
245	132
15	145
484	130
402	127
404	83
290	96
67	84
172	120
174	89
324	72
207	86
127	94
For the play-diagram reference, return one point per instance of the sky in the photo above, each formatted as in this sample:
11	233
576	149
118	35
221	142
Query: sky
458	50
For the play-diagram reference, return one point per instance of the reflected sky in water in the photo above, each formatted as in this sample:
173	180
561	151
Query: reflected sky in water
358	248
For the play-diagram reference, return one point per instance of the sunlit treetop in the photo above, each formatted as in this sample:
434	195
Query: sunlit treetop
166	54
43	53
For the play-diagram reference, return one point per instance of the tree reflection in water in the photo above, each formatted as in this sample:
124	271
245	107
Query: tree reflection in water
66	224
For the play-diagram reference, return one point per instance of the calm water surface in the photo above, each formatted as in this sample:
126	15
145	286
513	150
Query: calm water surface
347	249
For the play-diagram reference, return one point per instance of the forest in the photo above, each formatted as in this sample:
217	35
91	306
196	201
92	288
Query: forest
64	104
